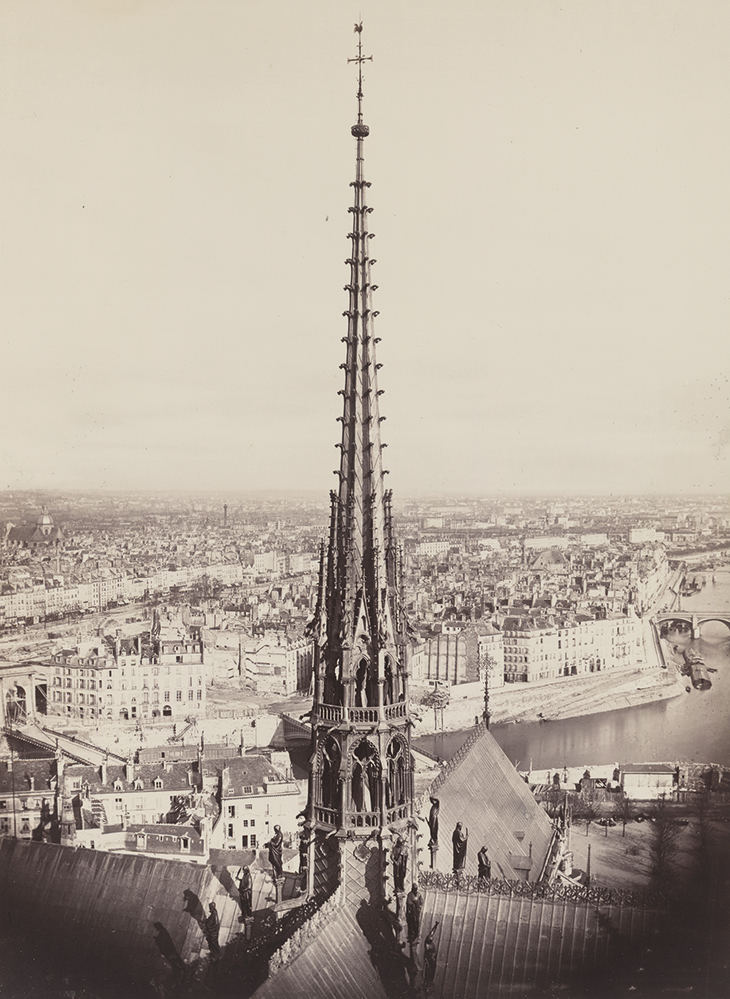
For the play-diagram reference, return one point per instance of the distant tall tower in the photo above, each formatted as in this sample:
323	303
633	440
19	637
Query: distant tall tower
225	515
361	768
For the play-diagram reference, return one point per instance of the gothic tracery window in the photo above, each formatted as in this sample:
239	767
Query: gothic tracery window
396	780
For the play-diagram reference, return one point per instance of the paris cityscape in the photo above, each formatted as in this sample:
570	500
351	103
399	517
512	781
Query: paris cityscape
270	729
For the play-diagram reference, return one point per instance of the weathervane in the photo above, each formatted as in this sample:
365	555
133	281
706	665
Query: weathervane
359	59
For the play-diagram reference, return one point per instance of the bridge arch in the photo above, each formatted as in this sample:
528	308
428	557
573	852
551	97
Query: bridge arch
702	620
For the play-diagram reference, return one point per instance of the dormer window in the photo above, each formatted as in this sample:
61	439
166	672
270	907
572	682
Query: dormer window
158	783
117	785
138	784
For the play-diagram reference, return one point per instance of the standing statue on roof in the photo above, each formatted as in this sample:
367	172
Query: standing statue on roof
414	911
433	821
483	862
245	891
459	840
400	864
430	956
276	847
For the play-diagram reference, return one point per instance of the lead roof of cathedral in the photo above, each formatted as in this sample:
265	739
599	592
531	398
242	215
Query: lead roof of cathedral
486	794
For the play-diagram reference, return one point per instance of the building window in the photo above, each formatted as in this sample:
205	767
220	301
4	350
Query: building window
178	695
167	695
245	823
253	841
185	843
230	830
231	811
244	841
190	695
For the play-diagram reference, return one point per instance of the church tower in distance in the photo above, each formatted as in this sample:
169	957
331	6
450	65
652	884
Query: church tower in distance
360	827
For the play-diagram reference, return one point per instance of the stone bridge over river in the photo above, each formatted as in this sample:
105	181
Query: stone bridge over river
695	621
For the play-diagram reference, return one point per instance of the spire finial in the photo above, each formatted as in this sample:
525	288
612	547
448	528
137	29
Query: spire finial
359	59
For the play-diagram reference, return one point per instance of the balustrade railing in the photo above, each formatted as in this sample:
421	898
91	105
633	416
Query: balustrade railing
328	815
364	715
329	713
359	819
399	812
334	713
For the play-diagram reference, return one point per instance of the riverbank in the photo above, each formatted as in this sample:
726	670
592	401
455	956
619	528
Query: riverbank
556	699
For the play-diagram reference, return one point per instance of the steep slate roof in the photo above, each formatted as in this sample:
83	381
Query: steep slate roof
174	777
482	790
491	945
17	779
245	771
550	557
335	965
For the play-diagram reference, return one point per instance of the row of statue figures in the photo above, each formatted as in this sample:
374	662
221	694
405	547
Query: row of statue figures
459	843
370	783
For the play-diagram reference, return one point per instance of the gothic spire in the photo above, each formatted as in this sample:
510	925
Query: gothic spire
358	613
361	778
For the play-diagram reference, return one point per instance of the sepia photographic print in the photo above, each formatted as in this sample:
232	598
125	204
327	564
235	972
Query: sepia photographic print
364	518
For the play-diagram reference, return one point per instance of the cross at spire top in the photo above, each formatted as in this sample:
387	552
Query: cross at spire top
359	59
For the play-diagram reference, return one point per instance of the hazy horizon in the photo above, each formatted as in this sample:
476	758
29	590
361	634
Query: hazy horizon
550	195
403	496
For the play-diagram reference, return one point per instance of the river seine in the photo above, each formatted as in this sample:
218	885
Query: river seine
693	727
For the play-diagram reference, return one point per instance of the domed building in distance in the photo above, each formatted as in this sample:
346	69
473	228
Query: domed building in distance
41	534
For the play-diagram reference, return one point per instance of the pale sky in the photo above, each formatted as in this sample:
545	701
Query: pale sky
552	217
